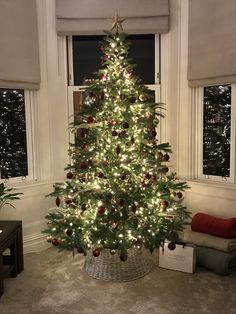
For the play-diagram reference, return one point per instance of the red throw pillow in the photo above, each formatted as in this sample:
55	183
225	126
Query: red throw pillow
216	226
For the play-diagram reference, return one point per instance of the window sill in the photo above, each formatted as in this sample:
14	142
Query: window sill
213	184
216	190
33	186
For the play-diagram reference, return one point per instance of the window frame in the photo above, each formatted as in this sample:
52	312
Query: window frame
30	99
198	115
71	88
70	60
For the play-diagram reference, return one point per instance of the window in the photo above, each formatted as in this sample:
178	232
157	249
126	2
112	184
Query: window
84	58
216	128
15	135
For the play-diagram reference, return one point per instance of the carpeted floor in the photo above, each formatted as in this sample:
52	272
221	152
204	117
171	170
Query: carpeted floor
53	282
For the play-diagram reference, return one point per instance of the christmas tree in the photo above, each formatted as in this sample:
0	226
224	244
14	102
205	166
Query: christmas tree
119	192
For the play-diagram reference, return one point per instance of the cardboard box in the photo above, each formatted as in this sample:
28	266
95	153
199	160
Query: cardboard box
182	258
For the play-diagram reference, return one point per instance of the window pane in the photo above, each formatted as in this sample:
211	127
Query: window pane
87	57
142	53
13	150
216	130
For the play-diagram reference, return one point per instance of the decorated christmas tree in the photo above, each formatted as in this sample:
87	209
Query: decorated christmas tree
119	192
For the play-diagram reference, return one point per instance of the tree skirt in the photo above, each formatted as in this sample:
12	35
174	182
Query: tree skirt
110	268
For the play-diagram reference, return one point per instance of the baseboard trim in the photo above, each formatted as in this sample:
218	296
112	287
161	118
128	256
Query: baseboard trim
35	243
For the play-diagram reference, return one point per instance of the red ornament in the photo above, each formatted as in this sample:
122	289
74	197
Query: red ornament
171	246
166	157
123	257
126	125
55	242
123	176
90	119
122	134
96	252
165	169
80	250
114	133
164	203
69	175
69	232
68	201
101	175
179	194
160	155
148	176
58	201
83	165
101	210
84	146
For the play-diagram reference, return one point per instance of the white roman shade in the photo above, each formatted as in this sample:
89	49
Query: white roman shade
19	53
86	17
212	42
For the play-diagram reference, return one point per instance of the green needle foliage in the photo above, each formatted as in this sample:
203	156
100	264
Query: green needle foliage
119	192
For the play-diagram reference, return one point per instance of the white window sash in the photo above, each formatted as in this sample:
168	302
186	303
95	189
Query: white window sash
29	97
72	89
198	104
70	60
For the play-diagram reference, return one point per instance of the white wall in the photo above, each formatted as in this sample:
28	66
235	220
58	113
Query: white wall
213	198
51	134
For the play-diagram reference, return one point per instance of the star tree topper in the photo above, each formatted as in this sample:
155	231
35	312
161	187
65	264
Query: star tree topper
117	23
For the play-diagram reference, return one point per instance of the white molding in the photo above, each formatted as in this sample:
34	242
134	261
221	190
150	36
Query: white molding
70	60
179	112
165	52
157	59
35	243
233	134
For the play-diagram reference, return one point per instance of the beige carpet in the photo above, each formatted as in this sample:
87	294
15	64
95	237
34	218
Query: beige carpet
53	282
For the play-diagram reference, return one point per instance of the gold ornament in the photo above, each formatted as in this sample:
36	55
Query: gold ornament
49	239
117	23
73	130
114	225
113	252
143	97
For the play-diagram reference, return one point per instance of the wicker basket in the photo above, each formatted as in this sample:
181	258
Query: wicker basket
110	268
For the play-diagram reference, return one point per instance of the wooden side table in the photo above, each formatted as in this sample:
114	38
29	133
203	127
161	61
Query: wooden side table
11	238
